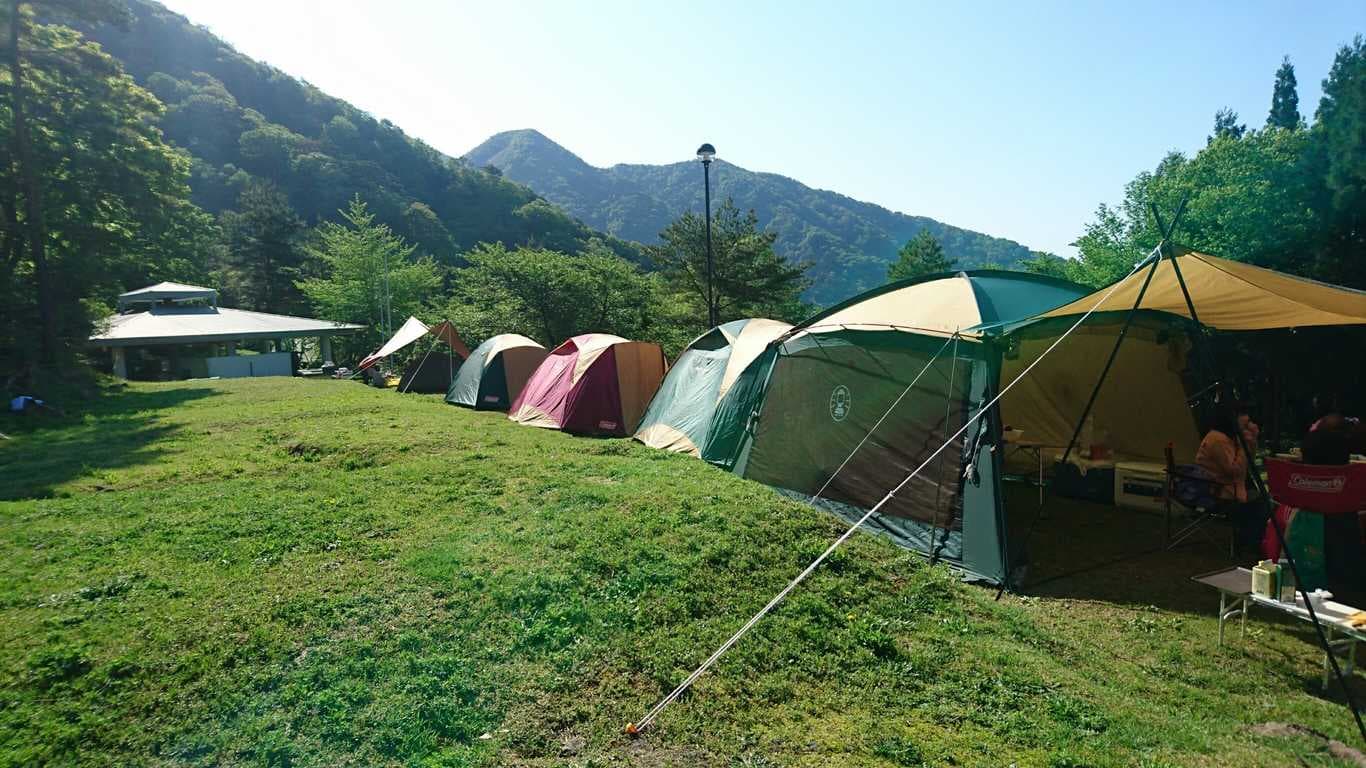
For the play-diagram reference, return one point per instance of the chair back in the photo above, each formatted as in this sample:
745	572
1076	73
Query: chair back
1323	488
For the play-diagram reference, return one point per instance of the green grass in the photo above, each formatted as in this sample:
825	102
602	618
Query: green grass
299	573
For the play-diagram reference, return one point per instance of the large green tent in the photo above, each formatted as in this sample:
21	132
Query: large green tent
848	404
815	397
680	414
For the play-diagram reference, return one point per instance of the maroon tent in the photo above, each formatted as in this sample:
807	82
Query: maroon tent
593	384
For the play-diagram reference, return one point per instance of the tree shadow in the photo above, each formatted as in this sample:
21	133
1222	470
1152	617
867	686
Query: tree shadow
117	428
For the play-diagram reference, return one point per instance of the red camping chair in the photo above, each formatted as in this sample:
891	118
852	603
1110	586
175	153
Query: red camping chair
1325	489
1321	490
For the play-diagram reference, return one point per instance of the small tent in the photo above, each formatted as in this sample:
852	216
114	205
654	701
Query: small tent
680	415
593	384
495	372
884	379
431	370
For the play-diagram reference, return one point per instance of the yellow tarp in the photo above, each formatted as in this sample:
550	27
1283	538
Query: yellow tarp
1231	296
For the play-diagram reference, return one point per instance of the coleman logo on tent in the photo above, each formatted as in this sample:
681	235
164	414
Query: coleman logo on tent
1313	484
607	425
840	403
490	398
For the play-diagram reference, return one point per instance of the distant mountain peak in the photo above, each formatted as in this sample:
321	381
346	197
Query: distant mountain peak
849	242
522	143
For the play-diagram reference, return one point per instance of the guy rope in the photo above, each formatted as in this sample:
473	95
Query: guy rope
649	718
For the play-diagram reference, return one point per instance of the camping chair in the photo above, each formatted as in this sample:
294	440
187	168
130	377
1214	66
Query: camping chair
1192	488
1322	491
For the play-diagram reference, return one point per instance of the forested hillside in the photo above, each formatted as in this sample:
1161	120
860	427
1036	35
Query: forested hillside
242	120
848	242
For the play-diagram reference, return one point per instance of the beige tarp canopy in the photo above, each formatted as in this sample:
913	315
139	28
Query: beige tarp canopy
1231	296
1141	406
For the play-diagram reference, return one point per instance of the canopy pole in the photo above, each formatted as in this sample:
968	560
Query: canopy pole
1269	510
1155	257
1159	252
420	364
1110	361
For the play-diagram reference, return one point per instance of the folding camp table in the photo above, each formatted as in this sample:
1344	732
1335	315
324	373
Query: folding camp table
1236	584
1030	448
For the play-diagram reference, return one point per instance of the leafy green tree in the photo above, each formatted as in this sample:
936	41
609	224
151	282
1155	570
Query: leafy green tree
550	295
1285	99
1339	147
1226	126
1049	264
921	255
1251	199
750	278
352	258
428	233
91	197
264	251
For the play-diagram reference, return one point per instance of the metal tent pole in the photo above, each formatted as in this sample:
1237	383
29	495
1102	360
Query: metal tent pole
1270	511
1124	331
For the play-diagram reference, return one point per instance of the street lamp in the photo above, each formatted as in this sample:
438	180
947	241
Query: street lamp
705	153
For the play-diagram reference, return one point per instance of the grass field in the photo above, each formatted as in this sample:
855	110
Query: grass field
301	573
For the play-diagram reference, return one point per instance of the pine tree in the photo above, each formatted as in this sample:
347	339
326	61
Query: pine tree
921	255
1285	101
1226	126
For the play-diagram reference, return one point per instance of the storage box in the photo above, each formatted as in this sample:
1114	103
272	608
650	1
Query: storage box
1096	484
1139	485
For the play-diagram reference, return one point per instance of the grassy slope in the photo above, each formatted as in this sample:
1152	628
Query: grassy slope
280	572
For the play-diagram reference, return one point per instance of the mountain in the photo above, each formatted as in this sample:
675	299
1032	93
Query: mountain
849	242
242	120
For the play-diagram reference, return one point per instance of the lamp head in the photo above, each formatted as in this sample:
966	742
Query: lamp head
706	152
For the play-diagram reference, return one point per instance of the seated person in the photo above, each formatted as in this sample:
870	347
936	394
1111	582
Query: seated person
1223	458
1250	430
1327	441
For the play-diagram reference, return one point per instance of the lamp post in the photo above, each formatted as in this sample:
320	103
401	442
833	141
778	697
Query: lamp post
705	153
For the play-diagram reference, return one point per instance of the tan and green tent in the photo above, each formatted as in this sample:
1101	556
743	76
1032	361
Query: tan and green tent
680	415
495	372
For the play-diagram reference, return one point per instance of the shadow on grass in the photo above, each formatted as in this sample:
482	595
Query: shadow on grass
1096	552
118	428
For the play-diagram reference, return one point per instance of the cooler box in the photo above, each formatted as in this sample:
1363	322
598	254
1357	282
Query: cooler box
1095	484
1139	485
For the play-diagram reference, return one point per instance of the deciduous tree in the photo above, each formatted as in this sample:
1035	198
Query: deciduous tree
352	258
91	197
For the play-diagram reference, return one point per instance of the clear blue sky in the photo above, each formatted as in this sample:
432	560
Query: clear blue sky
1012	120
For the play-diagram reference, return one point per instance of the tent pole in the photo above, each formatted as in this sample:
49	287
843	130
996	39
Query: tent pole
939	485
420	364
1156	259
1161	250
1114	353
1270	512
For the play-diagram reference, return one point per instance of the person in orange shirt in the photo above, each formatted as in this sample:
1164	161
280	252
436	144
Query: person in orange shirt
1221	455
